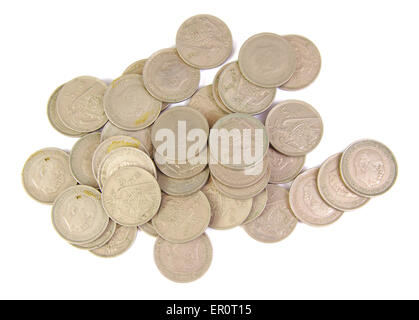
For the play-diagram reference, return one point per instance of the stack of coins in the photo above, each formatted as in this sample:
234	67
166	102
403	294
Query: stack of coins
210	163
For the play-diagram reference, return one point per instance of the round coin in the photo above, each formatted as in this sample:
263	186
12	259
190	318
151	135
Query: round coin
259	204
294	127
284	168
99	242
136	67
149	229
368	168
121	241
182	187
216	93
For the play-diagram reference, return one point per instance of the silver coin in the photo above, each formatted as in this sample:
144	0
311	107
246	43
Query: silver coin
182	187
259	204
284	168
149	229
122	239
102	240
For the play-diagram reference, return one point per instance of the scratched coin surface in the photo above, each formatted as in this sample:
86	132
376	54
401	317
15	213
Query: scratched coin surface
131	196
308	63
182	187
368	168
46	174
183	262
124	157
80	104
306	202
168	78
102	240
182	219
259	204
284	168
267	60
204	102
128	104
81	159
294	127
122	239
78	215
216	93
204	41
226	213
149	229
240	95
276	221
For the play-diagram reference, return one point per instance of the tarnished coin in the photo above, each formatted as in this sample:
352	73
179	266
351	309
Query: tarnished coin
102	240
284	168
294	127
124	157
183	262
149	229
240	95
181	122
204	102
81	159
182	187
80	104
216	93
182	219
55	120
46	174
308	63
121	241
333	190
267	60
131	196
226	213
368	168
259	204
78	215
306	202
168	78
204	41
277	221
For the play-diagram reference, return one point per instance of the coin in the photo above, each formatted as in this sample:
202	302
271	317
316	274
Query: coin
259	204
204	41
308	63
368	168
180	122
149	229
182	219
240	95
131	196
80	104
121	241
168	78
267	60
204	102
216	93
182	187
102	240
284	168
226	213
46	174
183	262
55	120
306	202
277	221
124	157
78	215
294	127
81	159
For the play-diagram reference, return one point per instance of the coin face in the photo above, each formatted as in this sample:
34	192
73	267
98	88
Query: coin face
81	159
182	187
183	262
216	93
306	202
168	78
267	60
240	95
80	104
46	174
308	63
368	168
136	67
149	229
259	204
294	127
121	241
78	215
284	168
131	196
204	41
226	213
277	221
121	158
204	102
102	240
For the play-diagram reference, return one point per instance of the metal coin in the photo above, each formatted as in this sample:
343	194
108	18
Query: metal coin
121	241
259	204
284	168
216	93
182	187
102	240
149	229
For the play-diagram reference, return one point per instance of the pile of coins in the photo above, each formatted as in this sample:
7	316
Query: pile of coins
122	175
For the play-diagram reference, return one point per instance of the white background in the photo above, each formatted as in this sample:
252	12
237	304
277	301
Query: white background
368	88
